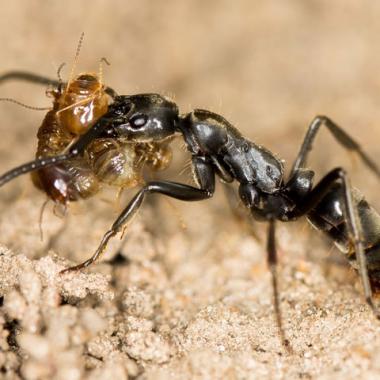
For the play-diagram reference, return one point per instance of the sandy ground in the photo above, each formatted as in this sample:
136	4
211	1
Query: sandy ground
186	294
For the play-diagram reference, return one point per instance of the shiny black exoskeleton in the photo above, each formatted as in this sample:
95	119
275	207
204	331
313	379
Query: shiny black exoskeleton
218	149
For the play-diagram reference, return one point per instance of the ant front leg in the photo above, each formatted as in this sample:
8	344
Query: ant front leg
340	135
311	201
204	174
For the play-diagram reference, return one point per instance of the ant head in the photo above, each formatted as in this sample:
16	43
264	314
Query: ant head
142	118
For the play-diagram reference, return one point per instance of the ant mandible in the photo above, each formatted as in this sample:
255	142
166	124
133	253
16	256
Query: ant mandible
219	149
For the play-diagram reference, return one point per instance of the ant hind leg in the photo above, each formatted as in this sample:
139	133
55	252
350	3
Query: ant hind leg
340	135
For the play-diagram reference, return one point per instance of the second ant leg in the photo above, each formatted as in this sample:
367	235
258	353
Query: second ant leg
206	179
341	136
272	263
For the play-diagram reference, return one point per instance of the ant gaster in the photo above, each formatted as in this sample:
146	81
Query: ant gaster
218	149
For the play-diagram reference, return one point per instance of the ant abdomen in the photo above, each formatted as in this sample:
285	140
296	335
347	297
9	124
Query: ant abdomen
329	217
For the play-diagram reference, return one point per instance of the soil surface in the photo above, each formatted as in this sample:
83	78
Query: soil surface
186	294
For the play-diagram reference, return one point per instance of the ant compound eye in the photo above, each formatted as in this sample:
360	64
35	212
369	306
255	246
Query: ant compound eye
138	121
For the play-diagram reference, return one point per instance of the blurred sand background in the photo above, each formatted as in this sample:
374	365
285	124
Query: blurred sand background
190	303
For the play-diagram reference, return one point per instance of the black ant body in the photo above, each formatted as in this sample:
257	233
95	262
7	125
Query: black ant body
218	149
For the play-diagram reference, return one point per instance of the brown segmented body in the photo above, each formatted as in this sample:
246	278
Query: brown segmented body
76	108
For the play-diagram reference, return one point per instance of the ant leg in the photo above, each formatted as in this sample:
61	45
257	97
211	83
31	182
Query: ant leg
28	77
40	79
272	263
206	179
340	135
354	226
171	189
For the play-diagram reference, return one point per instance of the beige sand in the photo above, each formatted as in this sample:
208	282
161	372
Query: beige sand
193	303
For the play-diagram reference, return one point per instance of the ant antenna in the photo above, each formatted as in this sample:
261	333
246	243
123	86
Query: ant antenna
108	90
61	66
102	60
24	105
74	63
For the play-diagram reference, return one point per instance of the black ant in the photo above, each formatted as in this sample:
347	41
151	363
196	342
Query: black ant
218	149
